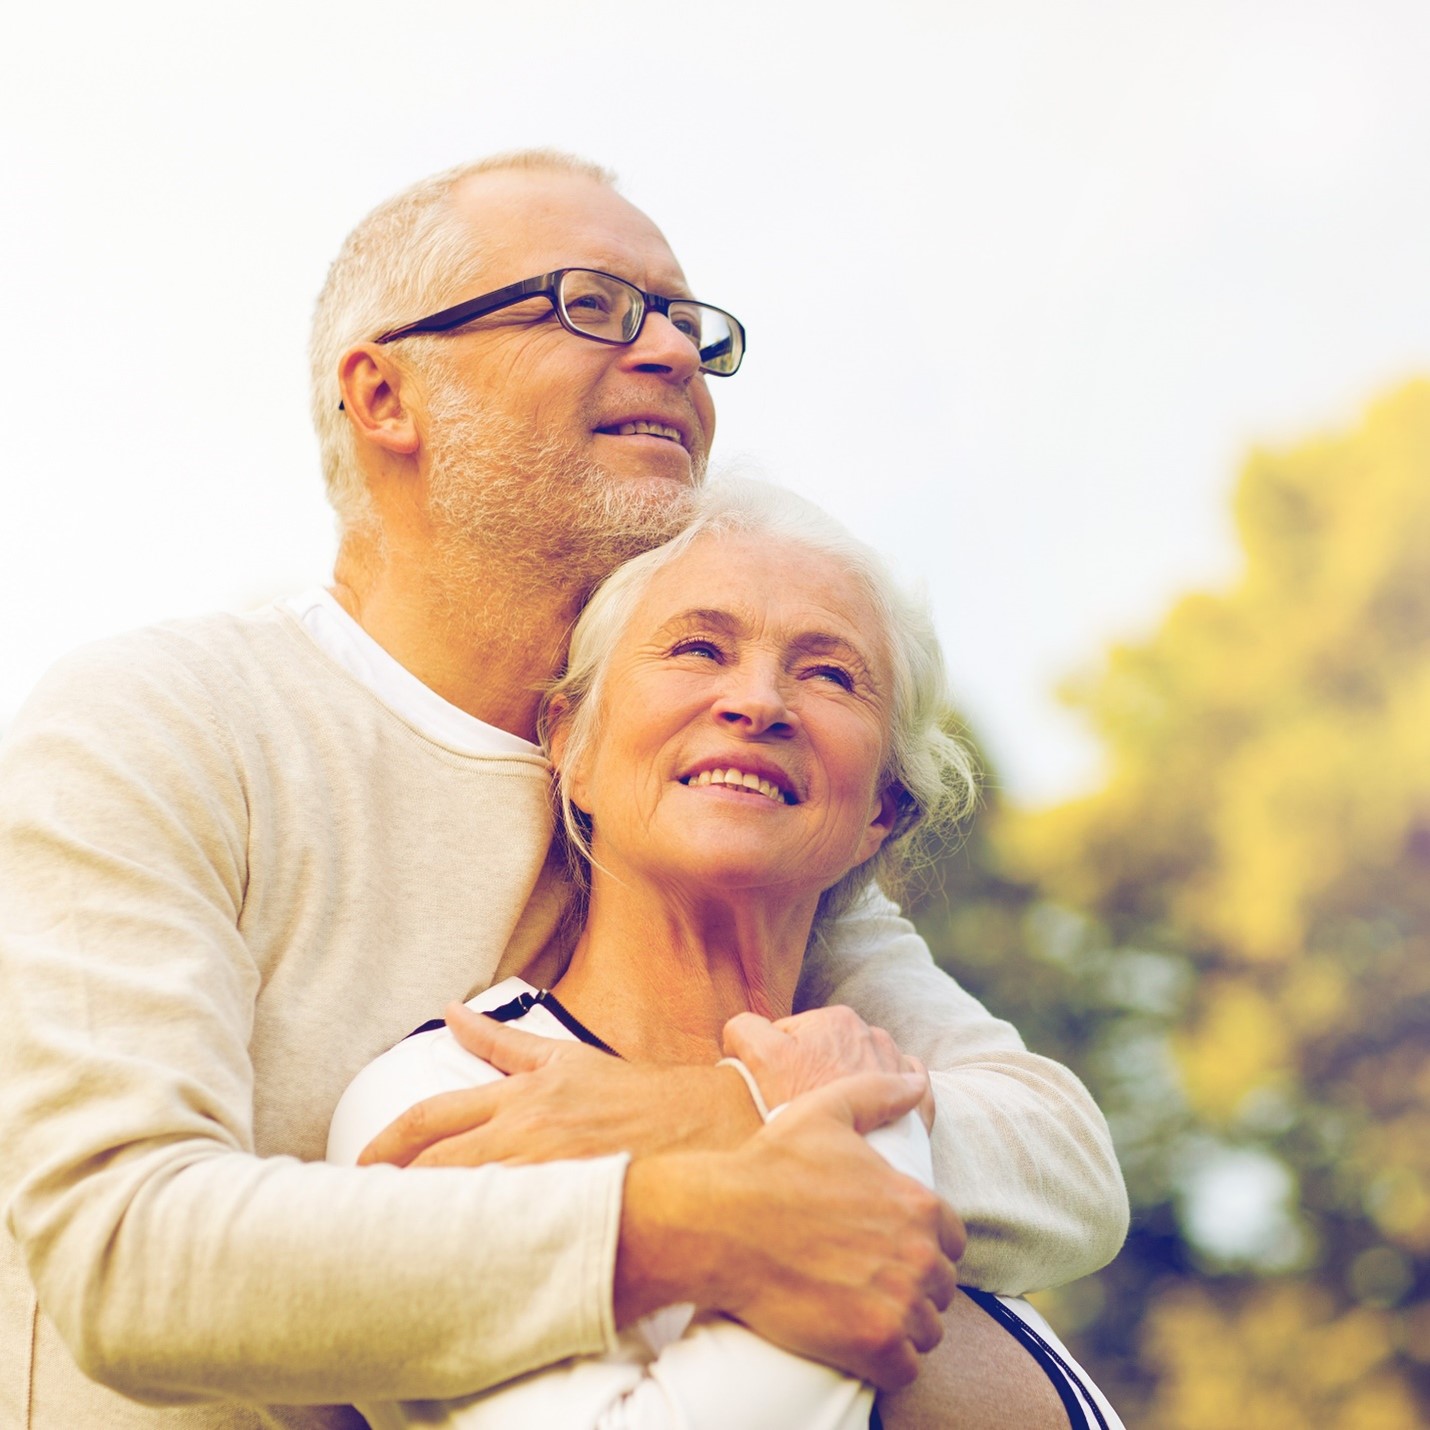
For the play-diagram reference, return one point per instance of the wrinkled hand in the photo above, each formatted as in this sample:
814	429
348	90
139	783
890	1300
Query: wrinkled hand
804	1233
562	1100
808	1050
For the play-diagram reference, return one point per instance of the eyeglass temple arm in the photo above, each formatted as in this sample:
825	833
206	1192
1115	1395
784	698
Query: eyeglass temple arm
474	308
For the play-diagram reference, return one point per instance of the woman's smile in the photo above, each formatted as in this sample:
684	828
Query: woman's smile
745	733
742	778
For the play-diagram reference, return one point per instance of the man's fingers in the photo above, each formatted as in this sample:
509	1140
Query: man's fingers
928	1110
892	1367
953	1240
926	1330
478	1147
747	1034
866	1100
509	1049
429	1121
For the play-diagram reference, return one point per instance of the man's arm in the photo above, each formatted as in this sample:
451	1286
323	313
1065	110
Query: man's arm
1020	1148
718	1373
176	1263
800	1230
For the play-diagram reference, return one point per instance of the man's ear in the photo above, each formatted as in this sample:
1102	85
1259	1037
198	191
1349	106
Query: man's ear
372	387
881	822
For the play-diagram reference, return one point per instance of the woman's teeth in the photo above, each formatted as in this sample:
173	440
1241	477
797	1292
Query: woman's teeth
742	780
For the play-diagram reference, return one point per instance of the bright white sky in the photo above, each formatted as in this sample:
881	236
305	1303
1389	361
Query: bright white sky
1024	279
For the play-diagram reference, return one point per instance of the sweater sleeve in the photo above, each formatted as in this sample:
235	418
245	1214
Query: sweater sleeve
1021	1151
176	1263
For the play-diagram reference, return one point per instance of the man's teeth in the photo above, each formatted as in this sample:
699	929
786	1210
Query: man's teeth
743	780
647	429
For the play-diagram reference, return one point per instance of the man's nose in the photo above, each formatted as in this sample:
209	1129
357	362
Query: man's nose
661	347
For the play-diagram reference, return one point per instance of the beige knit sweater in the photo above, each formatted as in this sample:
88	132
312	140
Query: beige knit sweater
229	877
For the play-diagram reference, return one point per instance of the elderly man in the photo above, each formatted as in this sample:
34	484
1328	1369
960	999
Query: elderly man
239	856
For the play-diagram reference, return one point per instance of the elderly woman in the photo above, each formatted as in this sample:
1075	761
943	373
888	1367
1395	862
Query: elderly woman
749	731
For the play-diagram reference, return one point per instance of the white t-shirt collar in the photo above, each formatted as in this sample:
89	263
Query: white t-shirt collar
340	637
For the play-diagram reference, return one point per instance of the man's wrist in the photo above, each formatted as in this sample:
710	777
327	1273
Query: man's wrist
752	1087
667	1254
723	1114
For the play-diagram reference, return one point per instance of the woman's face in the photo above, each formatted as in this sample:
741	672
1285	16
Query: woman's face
745	725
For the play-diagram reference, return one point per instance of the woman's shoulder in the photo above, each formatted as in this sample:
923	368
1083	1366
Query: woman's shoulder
426	1062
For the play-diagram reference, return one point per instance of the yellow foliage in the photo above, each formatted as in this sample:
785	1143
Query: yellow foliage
1268	740
1382	1403
1262	838
1297	805
1238	1045
1415	1332
1399	1204
1277	1357
1316	997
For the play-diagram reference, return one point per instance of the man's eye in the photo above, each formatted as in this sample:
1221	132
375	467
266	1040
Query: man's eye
687	322
597	303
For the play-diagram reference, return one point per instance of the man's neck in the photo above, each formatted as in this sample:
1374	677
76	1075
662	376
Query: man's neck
490	652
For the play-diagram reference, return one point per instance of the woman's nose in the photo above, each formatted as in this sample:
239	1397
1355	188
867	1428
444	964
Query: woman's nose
755	704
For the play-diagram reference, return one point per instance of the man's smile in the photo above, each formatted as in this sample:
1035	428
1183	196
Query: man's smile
663	428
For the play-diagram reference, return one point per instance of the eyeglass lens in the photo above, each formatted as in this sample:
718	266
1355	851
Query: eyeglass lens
610	310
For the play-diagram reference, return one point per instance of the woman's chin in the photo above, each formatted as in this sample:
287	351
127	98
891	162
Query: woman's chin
726	871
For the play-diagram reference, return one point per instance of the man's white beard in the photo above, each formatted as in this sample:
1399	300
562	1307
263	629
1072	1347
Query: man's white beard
501	496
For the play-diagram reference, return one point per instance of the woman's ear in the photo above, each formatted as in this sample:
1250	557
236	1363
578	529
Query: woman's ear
556	719
881	821
559	715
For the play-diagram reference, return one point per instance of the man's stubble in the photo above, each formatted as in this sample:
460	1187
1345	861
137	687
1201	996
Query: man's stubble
506	503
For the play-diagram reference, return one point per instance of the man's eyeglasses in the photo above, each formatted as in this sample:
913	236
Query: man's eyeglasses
605	309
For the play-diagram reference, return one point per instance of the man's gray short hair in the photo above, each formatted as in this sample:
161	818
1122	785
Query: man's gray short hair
410	256
932	769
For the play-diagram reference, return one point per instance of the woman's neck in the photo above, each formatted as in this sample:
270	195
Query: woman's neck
658	977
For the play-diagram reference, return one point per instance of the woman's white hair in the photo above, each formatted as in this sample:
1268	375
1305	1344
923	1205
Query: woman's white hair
931	770
411	256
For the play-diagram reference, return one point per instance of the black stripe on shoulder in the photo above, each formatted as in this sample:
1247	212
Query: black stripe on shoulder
572	1023
520	1006
1057	1370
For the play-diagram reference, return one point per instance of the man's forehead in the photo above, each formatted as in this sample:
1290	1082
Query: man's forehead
530	221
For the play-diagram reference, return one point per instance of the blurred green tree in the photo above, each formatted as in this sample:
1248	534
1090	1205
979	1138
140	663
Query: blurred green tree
1230	941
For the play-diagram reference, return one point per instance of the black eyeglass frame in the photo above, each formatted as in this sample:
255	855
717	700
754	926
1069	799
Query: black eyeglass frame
547	285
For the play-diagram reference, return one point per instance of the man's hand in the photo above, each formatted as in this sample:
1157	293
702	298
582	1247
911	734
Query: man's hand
808	1050
563	1100
804	1233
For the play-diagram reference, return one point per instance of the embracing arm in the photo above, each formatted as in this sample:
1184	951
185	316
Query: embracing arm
800	1231
175	1262
715	1372
1020	1148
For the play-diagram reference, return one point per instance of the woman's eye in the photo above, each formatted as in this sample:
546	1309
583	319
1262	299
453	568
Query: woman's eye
705	648
837	674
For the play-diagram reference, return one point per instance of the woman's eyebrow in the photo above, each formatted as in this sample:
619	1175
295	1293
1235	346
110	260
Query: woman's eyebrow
701	617
827	643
